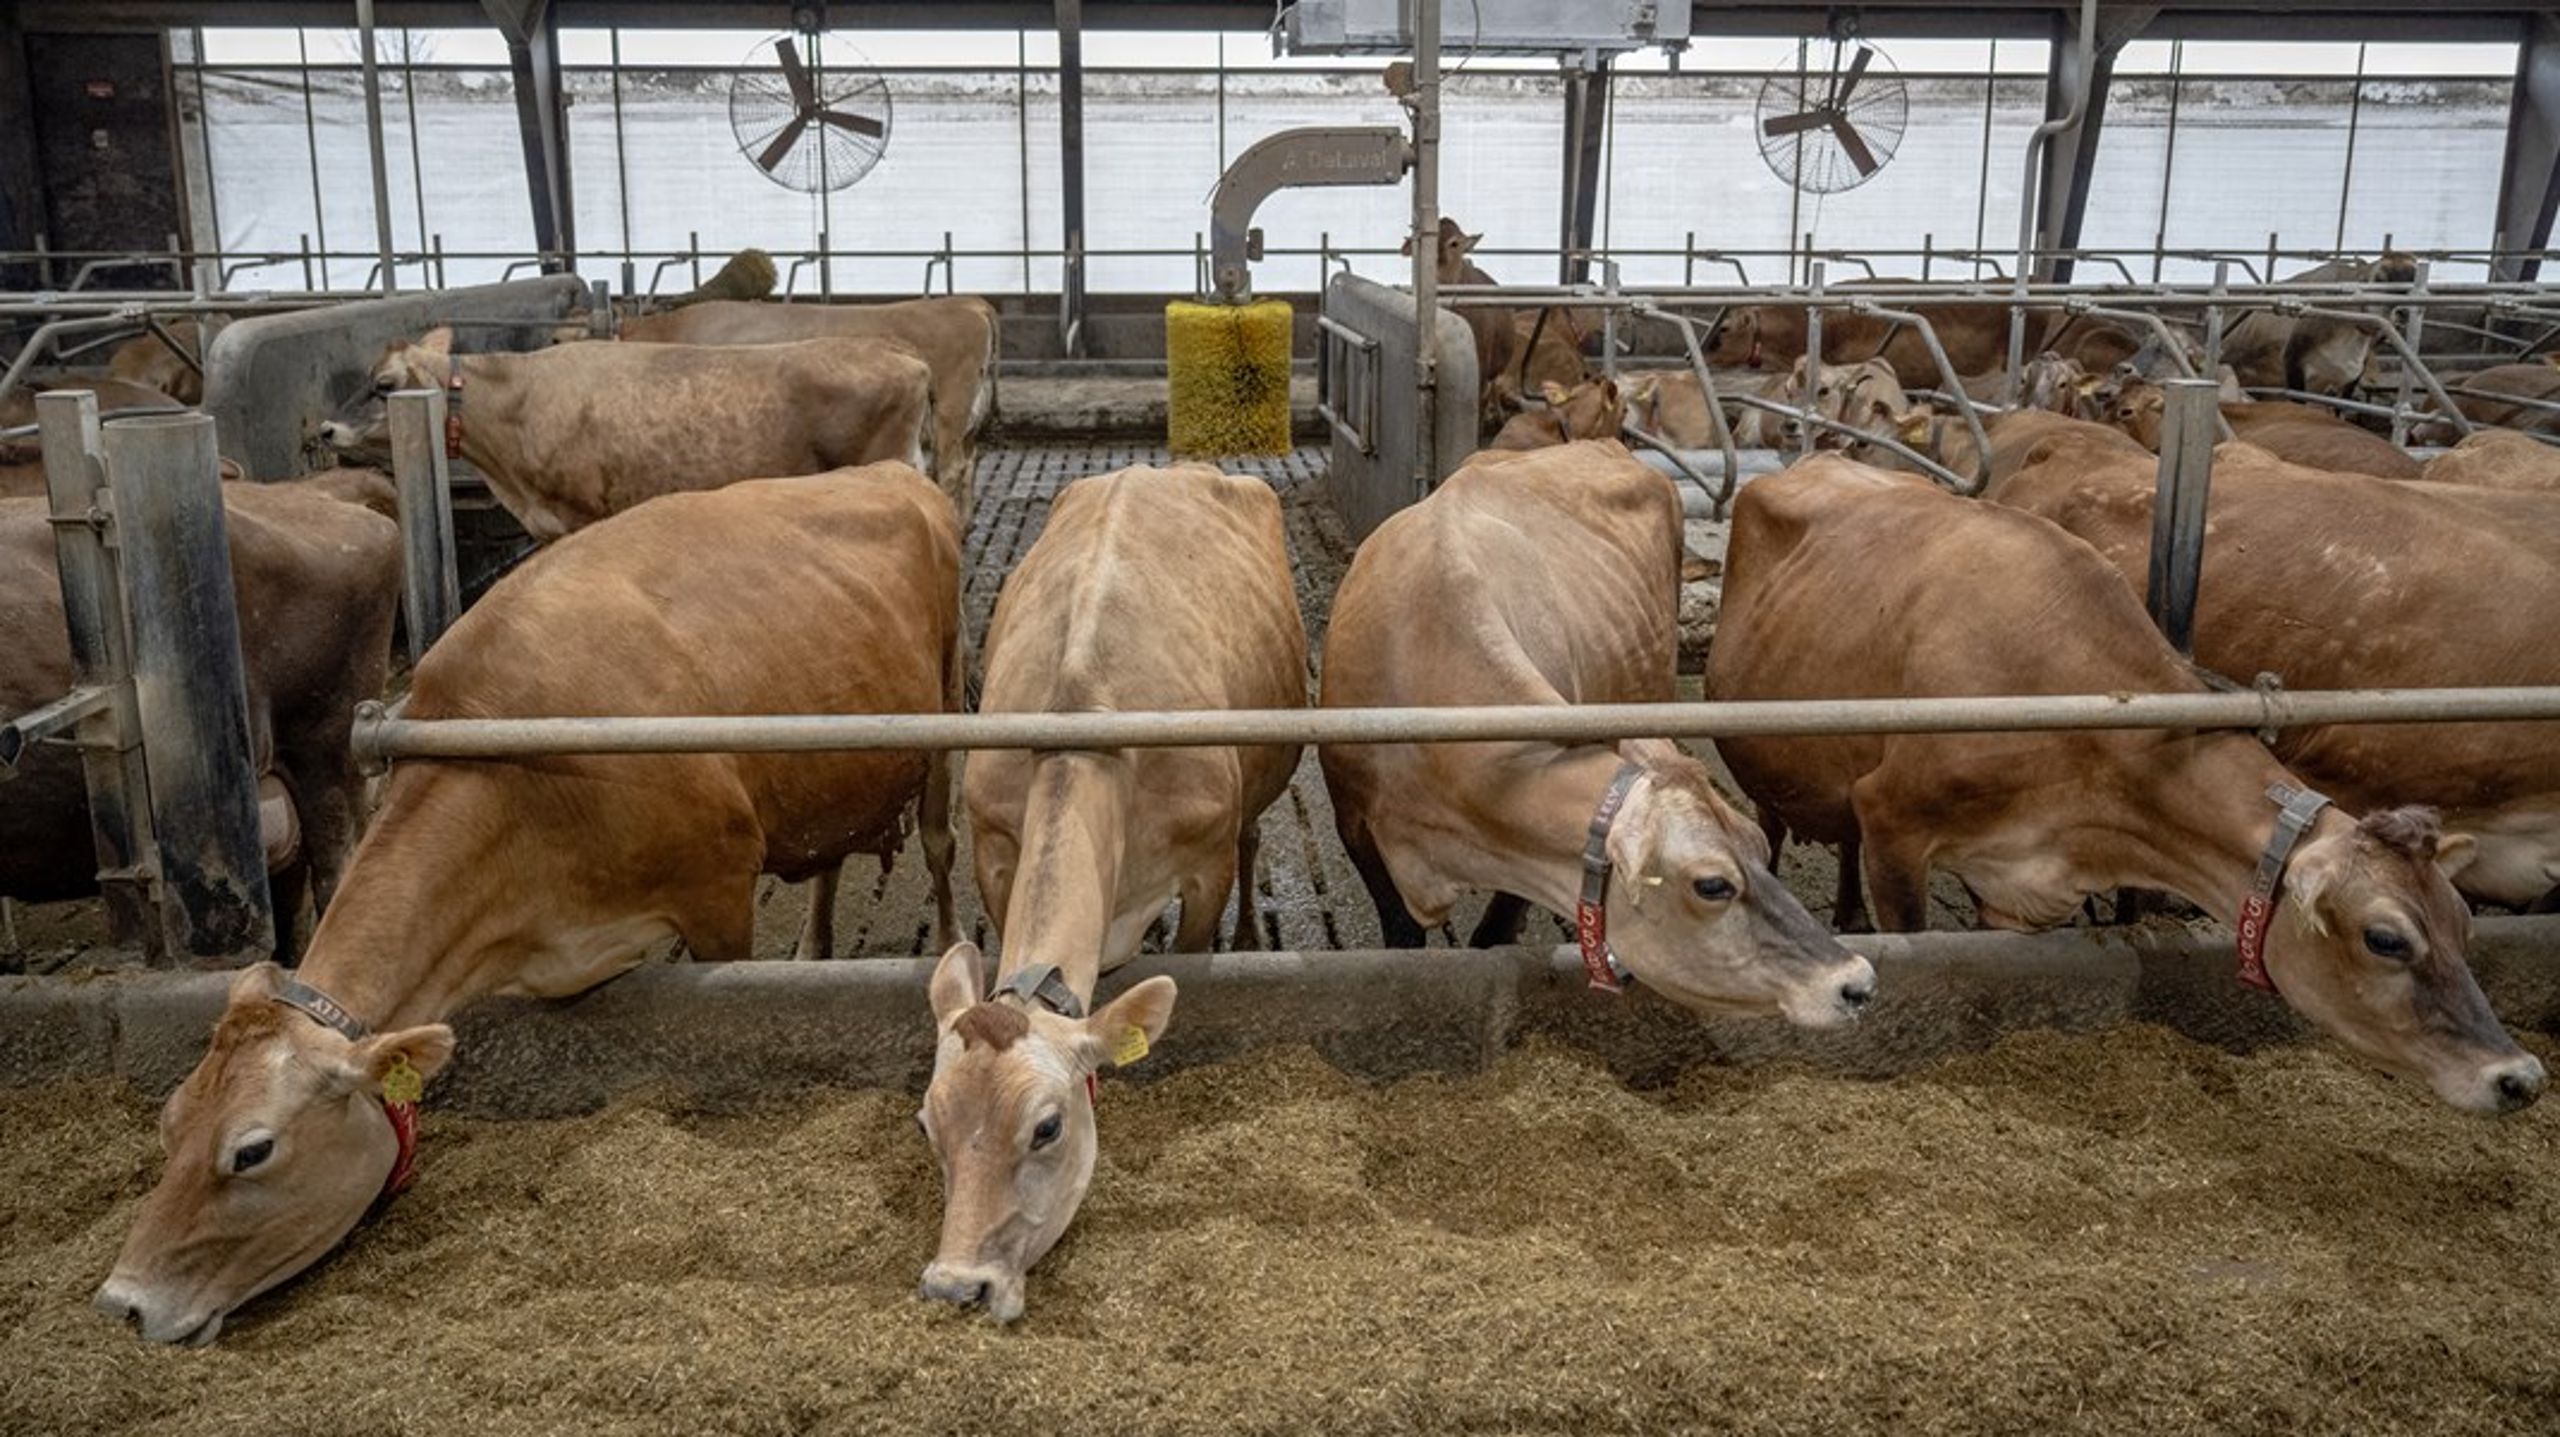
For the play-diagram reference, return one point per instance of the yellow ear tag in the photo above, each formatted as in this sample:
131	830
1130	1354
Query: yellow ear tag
1131	1047
402	1084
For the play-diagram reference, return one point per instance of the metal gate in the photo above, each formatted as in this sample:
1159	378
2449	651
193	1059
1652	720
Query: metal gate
1366	345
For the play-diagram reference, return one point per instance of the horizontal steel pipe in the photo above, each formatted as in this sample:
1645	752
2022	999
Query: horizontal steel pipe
379	737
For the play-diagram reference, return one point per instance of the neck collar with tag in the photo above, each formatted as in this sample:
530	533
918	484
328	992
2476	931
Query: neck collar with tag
401	1109
1591	911
1044	985
2296	808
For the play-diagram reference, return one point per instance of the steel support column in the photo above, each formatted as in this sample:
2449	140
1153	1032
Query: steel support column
2529	180
532	31
1586	125
21	184
1070	18
2062	199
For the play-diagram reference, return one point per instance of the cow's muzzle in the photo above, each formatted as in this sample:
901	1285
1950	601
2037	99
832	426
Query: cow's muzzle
993	1289
157	1321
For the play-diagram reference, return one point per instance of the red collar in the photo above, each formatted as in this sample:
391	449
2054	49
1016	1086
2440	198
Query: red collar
1591	910
2296	807
453	409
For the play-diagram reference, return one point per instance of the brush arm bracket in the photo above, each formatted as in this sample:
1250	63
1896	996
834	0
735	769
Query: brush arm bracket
1319	155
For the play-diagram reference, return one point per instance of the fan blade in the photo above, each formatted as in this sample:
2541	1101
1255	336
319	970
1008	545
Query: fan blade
1853	146
859	124
802	93
782	144
1849	82
1796	124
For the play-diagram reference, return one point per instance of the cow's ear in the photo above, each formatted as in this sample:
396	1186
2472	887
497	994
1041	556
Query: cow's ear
2455	851
438	340
1643	393
955	987
1407	248
426	1049
1127	1026
2088	384
1467	242
1553	392
1610	393
1912	425
256	983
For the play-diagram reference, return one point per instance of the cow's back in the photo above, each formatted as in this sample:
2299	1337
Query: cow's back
2498	459
590	430
1842	581
1538	576
1151	588
826	593
2344	581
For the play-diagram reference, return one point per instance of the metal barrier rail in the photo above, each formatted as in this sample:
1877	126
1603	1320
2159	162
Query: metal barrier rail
379	737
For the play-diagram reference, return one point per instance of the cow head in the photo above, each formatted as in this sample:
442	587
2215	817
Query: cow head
1696	914
2368	943
275	1146
1593	409
1455	246
2054	383
361	433
2393	267
1010	1115
1735	341
2138	408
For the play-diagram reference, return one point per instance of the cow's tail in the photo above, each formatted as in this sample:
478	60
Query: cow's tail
982	406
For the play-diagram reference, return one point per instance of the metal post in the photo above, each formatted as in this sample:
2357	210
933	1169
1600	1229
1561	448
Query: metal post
1426	245
430	595
373	144
166	480
2415	325
600	304
2213	321
1070	17
101	658
1812	357
2178	507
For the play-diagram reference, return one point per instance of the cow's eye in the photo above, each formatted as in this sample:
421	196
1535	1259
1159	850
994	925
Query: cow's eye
1047	1133
2386	943
385	386
249	1155
1714	890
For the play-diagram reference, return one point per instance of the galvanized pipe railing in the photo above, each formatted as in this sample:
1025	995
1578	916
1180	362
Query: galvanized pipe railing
379	738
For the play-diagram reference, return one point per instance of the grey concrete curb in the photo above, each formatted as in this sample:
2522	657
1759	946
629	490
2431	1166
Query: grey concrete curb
723	1036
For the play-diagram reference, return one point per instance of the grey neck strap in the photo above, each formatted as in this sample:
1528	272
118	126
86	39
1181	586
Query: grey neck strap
322	1009
1045	985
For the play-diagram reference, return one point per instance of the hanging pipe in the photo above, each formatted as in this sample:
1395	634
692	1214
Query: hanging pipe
2029	184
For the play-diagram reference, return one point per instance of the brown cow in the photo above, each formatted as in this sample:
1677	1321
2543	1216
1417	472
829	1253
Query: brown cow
1594	409
1974	333
1547	350
316	581
2508	396
2340	581
2498	459
1552	577
1846	582
2019	437
148	363
2299	433
1496	332
956	336
546	876
1149	589
568	435
2314	354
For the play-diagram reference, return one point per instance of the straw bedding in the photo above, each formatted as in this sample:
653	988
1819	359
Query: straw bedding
2113	1234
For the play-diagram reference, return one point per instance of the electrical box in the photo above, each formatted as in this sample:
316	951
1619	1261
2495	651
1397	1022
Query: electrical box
1511	27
